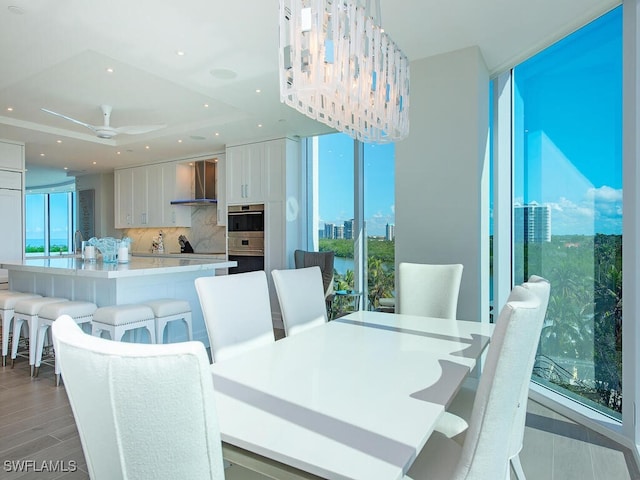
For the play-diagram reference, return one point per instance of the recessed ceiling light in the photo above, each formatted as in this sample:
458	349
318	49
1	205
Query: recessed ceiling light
217	134
206	105
117	153
95	163
42	154
180	141
66	168
258	90
147	147
9	109
180	53
223	74
260	125
58	141
109	70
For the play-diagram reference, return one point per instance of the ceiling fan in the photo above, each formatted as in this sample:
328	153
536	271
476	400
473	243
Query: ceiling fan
105	130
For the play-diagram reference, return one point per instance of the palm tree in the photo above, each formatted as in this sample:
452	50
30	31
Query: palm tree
380	282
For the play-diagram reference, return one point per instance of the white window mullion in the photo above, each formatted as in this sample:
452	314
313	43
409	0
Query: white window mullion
502	191
359	237
47	226
631	224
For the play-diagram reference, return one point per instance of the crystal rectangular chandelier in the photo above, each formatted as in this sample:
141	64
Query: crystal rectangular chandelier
338	66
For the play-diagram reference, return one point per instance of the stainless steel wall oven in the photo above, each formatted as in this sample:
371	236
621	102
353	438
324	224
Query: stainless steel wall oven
246	237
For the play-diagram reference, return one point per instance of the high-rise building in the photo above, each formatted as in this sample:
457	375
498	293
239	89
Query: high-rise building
532	223
390	232
348	229
338	231
329	231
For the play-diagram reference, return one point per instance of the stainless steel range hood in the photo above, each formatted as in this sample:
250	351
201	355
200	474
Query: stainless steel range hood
204	172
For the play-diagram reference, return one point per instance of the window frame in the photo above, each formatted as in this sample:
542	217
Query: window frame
626	432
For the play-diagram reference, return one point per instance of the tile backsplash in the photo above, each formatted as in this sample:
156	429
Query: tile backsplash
205	235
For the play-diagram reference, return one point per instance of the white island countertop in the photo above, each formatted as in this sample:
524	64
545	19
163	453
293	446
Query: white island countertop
137	266
141	280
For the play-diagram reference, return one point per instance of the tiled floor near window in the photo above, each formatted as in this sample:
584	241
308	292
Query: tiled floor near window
556	448
36	423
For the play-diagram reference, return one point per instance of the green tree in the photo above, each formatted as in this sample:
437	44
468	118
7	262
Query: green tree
381	281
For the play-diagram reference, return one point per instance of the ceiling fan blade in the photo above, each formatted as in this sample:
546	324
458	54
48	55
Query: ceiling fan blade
90	127
138	129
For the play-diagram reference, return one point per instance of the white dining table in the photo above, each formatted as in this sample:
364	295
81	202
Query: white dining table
355	398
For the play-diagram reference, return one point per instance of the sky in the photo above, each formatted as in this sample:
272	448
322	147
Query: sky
335	153
568	129
568	140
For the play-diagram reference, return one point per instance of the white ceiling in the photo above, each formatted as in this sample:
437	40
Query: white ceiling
54	54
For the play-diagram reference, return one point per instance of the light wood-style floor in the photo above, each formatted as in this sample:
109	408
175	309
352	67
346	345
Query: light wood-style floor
36	424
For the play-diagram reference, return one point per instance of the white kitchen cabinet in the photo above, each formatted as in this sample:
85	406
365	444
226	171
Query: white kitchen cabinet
123	193
143	195
140	196
11	203
131	197
11	244
11	155
221	190
245	170
176	184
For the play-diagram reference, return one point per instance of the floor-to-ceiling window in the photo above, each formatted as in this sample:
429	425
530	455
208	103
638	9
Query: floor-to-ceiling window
335	189
49	223
379	213
567	207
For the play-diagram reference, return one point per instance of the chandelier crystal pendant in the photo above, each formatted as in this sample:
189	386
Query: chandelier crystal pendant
338	66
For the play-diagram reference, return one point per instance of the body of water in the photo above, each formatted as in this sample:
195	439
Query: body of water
341	265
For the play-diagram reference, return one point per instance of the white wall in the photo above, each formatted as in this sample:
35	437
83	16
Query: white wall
441	203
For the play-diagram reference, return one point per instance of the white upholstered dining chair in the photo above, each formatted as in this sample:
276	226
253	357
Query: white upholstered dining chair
237	312
455	420
428	290
142	411
301	296
486	449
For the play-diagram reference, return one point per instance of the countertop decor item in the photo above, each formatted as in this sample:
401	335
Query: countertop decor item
185	246
157	245
124	245
108	247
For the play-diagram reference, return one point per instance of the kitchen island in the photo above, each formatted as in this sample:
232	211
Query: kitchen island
140	280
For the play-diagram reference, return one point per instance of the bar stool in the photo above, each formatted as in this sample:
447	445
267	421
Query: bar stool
27	310
8	299
119	319
81	312
167	310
